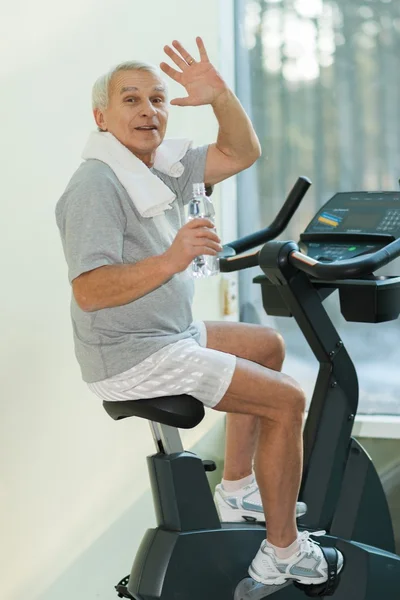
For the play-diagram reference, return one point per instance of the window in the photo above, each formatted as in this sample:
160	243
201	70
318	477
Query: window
320	80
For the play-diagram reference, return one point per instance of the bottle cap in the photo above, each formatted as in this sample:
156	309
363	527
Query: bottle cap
199	189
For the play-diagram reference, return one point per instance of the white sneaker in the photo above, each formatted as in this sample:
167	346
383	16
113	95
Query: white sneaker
307	566
234	507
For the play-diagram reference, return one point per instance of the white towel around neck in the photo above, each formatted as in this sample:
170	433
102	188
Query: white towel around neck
149	194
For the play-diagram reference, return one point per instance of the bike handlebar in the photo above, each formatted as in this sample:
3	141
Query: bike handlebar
249	242
346	269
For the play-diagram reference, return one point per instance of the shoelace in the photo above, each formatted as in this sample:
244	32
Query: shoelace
307	545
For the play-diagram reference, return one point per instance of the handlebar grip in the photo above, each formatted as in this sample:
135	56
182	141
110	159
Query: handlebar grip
227	265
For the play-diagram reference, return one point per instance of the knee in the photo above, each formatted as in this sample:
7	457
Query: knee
276	350
295	405
280	348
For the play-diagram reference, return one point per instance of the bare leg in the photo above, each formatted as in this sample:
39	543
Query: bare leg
278	402
240	445
265	347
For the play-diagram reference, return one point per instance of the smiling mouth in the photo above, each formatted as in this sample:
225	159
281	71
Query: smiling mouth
146	128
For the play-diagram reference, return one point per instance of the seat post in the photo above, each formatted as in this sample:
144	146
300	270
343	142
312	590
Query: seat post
166	438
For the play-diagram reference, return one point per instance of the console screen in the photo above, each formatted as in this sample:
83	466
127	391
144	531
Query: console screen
362	220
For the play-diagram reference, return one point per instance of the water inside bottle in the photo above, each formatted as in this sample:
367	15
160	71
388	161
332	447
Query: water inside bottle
201	206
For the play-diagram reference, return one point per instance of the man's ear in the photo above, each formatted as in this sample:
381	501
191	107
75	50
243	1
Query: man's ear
100	119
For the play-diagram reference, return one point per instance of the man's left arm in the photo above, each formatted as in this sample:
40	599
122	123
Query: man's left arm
237	146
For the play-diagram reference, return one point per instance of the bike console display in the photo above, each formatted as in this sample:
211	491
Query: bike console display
352	224
351	237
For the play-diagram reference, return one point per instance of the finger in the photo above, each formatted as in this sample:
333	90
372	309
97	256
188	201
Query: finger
182	101
175	75
202	49
188	58
200	250
208	244
200	222
205	232
175	57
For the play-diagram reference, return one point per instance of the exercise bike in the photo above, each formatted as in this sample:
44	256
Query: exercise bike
191	555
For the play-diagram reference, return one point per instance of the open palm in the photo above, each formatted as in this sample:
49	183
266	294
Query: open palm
201	80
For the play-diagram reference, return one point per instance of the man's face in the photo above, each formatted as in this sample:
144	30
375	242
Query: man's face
137	112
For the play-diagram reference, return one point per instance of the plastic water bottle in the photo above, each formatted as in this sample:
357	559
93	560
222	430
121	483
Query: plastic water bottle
201	206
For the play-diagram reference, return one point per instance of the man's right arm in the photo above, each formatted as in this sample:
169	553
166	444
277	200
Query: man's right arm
115	285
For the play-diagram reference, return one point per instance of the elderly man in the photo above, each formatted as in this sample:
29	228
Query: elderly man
131	302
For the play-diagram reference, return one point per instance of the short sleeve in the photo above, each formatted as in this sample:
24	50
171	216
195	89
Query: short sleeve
194	162
92	224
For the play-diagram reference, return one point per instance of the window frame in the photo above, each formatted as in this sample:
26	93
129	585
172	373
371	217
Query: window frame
372	426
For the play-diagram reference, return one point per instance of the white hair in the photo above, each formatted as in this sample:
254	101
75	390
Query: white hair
101	88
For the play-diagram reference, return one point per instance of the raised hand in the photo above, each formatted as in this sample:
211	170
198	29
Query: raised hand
201	80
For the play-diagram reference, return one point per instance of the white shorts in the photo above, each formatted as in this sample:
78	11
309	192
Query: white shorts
184	367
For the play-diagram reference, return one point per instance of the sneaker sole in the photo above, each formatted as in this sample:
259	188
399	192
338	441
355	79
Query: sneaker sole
236	515
284	579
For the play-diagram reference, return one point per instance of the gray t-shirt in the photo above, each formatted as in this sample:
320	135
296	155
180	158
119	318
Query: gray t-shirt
99	225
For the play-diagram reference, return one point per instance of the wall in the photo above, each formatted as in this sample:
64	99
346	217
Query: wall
70	477
109	557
